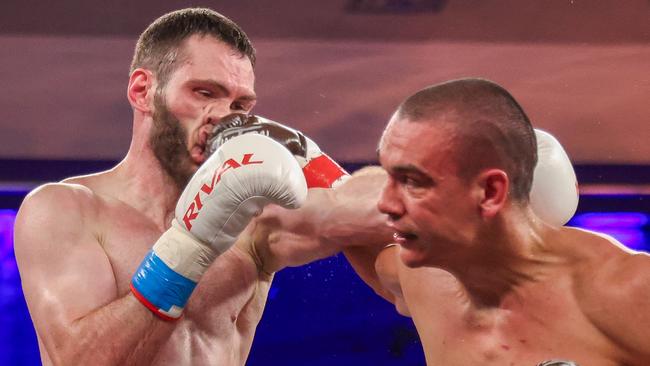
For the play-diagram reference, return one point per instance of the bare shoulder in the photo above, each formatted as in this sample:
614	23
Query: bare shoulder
610	267
623	276
61	213
613	290
57	250
52	203
66	192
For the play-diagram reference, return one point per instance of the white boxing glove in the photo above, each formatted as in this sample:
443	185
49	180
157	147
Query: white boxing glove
554	193
245	174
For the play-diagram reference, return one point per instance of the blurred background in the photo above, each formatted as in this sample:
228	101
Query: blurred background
336	70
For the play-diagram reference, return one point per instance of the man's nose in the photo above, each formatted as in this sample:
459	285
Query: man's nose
214	114
390	202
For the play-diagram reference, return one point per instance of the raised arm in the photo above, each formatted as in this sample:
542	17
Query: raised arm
79	321
371	259
69	280
342	218
330	221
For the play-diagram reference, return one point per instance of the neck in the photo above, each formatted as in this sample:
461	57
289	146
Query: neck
144	184
505	256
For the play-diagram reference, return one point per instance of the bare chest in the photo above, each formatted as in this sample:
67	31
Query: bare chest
220	317
547	325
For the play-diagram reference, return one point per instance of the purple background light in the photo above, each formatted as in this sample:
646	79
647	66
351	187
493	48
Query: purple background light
596	220
393	342
627	227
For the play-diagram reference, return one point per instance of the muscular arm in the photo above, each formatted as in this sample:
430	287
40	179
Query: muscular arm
330	220
377	263
70	288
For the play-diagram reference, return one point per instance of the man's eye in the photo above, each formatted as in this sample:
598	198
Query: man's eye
203	92
411	182
408	181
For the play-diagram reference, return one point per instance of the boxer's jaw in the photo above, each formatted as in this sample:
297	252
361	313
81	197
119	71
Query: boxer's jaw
415	252
168	139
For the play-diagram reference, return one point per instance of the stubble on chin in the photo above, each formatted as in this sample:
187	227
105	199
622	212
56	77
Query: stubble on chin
168	142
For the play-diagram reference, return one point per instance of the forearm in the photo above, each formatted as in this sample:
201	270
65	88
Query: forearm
121	333
354	219
330	221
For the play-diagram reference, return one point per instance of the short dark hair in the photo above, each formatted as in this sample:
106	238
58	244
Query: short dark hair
159	47
490	128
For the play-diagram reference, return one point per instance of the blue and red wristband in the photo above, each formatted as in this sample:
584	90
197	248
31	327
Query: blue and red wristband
161	289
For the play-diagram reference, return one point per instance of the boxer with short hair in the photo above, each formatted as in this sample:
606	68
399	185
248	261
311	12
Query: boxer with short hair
482	266
167	258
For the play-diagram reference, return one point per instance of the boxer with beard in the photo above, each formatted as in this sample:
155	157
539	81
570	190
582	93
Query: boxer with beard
167	258
168	142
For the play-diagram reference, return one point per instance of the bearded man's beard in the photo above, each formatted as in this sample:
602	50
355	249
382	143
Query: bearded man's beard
168	141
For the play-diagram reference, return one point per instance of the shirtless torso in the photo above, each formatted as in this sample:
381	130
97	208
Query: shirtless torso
96	267
576	310
78	242
220	319
498	285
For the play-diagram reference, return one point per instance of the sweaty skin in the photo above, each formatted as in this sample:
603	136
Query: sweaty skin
573	312
219	322
535	293
79	242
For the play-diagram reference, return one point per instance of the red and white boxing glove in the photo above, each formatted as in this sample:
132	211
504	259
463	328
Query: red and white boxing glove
554	194
227	191
319	169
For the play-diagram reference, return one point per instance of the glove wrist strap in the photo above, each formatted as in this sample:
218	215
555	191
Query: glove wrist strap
323	172
167	276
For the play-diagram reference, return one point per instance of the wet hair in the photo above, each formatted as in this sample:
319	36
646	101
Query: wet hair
488	128
160	46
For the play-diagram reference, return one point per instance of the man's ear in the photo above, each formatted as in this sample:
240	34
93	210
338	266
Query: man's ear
494	184
141	90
